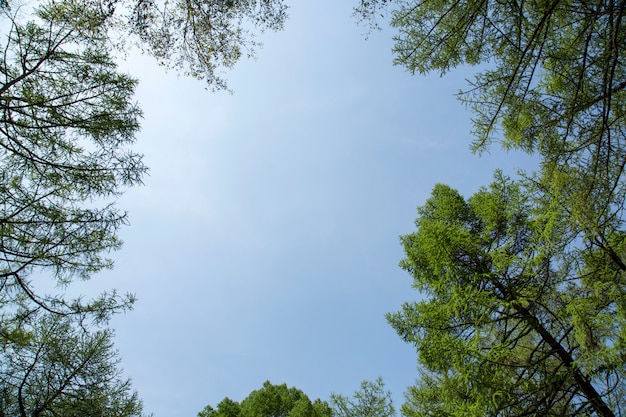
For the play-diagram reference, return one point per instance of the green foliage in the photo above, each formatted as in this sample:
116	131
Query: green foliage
554	66
270	401
550	80
67	120
371	400
517	319
57	369
197	38
525	281
67	123
200	37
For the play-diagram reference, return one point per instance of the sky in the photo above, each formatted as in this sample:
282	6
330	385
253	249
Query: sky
264	243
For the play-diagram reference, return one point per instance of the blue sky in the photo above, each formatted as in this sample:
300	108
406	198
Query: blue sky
264	243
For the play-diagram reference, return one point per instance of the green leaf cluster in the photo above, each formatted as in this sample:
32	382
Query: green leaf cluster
201	38
67	121
50	367
516	321
523	281
370	400
270	401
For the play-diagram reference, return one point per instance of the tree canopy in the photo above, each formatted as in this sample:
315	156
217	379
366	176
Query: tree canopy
199	37
370	400
270	401
516	321
551	68
524	280
550	80
68	120
49	367
196	38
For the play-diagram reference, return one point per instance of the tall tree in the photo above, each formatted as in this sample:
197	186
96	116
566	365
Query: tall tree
67	120
555	70
50	367
371	400
200	37
551	79
517	320
270	401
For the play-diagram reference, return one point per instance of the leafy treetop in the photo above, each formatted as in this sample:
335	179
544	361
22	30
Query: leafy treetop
517	320
370	400
67	121
550	79
270	401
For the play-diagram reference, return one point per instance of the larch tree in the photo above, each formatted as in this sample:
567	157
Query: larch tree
370	400
200	38
67	120
515	319
50	367
270	401
524	281
550	80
